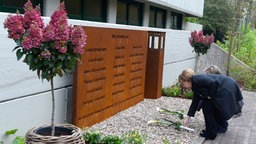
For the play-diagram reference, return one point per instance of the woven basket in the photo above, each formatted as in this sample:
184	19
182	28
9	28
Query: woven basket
75	135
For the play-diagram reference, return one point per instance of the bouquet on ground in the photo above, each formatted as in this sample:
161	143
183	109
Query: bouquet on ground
200	43
177	125
50	49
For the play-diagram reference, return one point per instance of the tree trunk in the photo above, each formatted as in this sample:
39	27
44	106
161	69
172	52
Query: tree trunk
197	62
53	108
229	54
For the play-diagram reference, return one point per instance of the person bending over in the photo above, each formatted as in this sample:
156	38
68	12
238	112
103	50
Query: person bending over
217	95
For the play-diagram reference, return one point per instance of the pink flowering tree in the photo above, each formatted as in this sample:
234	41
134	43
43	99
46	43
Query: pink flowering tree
51	49
200	43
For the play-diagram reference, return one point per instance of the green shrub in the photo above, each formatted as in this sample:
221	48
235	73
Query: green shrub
112	140
244	77
133	137
95	137
173	91
188	94
92	137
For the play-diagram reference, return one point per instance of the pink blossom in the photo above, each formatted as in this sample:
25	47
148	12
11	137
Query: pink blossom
199	42
59	21
78	38
78	50
61	46
48	33
46	54
200	33
34	38
14	24
32	15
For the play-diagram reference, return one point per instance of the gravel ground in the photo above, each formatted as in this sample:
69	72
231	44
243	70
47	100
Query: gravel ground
136	118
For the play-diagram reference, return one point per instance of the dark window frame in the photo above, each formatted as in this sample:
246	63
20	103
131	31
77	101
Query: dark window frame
13	9
178	24
157	11
83	16
128	6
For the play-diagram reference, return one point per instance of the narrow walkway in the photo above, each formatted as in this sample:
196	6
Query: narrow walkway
241	130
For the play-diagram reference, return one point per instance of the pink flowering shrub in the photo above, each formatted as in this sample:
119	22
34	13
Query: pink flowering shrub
50	49
200	43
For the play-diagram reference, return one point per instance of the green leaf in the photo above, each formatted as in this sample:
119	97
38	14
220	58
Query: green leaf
36	60
46	62
38	73
59	72
51	65
15	48
19	54
59	65
18	140
53	70
9	132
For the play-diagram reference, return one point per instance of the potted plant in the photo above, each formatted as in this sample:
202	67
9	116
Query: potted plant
49	49
200	43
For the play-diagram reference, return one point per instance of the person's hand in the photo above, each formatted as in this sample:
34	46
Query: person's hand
185	121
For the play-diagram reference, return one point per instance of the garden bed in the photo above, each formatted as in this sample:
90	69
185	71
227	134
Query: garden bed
136	118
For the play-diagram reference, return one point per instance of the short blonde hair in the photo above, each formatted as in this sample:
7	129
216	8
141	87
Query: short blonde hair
186	75
213	69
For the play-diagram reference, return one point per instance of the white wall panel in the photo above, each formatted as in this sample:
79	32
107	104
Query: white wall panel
194	7
25	113
178	55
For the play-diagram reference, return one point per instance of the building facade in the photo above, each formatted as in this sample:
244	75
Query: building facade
25	101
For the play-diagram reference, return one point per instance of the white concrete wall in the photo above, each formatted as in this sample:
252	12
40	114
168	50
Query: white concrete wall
178	55
25	101
188	26
50	6
194	7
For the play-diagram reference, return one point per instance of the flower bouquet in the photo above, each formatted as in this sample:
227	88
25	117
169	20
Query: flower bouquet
177	125
200	43
49	49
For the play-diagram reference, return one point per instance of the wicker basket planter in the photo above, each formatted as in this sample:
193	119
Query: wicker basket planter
64	134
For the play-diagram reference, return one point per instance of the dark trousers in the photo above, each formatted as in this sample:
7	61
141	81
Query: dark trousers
214	122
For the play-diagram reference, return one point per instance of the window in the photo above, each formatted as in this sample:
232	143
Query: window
129	12
157	17
12	6
93	10
176	21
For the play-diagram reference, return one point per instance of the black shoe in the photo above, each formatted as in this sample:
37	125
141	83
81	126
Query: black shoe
221	131
207	136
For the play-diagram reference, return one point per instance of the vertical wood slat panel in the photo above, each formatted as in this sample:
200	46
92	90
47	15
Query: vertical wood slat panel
155	60
111	75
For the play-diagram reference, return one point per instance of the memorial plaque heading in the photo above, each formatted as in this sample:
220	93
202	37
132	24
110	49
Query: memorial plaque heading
111	74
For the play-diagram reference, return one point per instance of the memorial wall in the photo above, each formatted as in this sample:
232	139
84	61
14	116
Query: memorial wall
111	74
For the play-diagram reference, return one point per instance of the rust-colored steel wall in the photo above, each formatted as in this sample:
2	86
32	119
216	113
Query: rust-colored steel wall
155	60
111	75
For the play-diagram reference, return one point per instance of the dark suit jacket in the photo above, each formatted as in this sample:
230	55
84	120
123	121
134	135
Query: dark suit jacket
223	90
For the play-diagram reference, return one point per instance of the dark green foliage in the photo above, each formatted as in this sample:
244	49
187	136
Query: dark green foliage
191	19
57	64
188	94
173	91
93	137
176	91
244	50
112	140
132	137
218	17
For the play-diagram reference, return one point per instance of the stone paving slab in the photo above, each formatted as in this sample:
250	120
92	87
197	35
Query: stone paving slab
241	130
